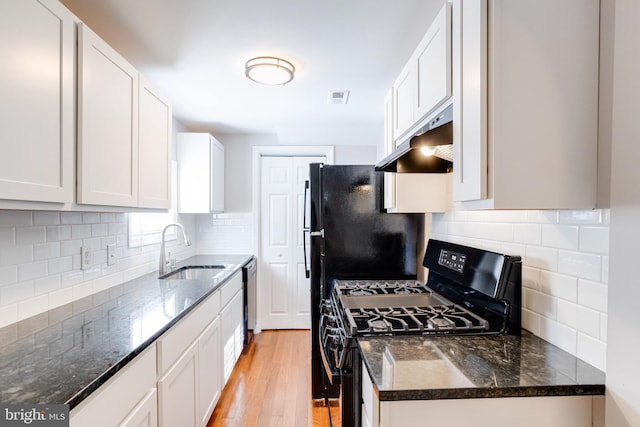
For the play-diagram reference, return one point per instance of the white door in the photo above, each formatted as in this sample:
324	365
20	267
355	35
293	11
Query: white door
283	296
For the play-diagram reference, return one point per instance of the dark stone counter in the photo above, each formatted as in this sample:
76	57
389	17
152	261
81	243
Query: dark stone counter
460	367
63	355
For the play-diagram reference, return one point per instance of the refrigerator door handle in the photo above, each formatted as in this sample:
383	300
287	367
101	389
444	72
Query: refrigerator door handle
305	230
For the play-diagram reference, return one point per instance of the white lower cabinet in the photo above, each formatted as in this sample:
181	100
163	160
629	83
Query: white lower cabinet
210	383
548	411
178	393
127	399
145	414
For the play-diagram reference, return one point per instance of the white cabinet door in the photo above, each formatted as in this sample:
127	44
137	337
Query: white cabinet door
37	85
200	173
230	321
217	177
433	62
107	124
525	112
178	392
469	40
154	183
208	371
145	414
404	89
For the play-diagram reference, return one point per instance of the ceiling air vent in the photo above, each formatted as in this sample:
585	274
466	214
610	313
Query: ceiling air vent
338	96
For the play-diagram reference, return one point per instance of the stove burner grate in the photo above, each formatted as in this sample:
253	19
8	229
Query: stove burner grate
380	287
425	320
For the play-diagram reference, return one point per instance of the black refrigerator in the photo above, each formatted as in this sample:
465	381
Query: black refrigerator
352	238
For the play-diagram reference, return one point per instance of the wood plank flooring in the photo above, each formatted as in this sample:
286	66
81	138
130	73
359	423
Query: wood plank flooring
271	386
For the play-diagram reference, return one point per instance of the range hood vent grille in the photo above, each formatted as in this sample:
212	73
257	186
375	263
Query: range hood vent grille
435	138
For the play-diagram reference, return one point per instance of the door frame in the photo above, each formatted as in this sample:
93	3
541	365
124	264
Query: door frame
260	151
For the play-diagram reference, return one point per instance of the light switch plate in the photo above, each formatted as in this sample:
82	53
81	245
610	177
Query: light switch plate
85	257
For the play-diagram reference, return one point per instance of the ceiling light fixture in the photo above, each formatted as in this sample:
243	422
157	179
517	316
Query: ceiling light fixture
269	70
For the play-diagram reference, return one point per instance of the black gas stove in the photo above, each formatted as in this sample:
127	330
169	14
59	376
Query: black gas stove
467	291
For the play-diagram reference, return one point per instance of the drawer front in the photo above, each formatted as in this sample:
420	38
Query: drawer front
230	288
118	397
177	339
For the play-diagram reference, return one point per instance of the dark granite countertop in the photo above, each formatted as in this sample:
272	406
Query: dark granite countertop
459	367
63	355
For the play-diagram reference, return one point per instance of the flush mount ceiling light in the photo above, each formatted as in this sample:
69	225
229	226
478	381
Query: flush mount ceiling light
269	70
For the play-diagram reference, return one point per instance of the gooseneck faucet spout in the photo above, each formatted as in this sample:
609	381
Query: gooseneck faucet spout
163	256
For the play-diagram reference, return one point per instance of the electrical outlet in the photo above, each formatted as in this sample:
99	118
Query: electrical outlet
111	254
85	257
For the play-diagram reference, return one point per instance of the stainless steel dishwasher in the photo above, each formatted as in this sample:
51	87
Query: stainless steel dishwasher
249	292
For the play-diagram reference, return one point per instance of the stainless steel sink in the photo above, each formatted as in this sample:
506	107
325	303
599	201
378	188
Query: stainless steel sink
208	272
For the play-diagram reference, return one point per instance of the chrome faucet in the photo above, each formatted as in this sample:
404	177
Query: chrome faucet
163	256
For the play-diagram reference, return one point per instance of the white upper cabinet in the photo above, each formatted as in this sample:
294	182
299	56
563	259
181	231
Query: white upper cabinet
124	131
525	96
107	124
200	173
433	65
37	84
154	159
425	81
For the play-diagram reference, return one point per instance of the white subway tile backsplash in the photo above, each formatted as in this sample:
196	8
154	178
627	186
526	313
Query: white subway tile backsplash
57	233
559	236
80	231
594	239
8	275
17	292
8	314
46	251
60	265
530	277
581	217
32	270
592	351
46	218
593	295
70	247
580	318
565	268
15	218
71	217
46	284
580	264
30	235
527	233
7	236
559	334
16	255
543	258
98	230
542	304
559	285
90	217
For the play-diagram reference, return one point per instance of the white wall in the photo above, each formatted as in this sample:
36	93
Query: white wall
565	258
623	354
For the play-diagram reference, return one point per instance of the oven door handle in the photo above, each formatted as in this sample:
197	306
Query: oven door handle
333	373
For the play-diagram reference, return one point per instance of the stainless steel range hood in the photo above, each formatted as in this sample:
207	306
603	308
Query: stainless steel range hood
430	150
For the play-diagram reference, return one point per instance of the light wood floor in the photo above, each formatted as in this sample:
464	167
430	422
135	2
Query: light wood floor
271	386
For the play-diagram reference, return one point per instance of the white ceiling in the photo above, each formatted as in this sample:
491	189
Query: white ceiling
194	52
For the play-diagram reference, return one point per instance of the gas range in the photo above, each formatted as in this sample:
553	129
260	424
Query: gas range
468	291
401	307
